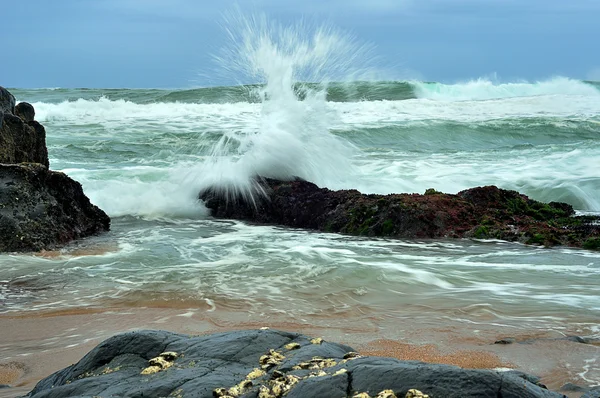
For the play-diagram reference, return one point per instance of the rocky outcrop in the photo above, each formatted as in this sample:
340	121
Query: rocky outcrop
483	212
43	209
265	364
7	101
22	139
39	208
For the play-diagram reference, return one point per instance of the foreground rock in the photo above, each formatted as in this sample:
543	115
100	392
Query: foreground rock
39	209
483	212
265	363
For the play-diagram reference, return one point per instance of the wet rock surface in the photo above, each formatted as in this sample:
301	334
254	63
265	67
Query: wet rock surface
22	139
7	101
39	208
43	209
256	363
483	212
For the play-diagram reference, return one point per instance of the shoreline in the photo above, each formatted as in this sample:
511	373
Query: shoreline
37	344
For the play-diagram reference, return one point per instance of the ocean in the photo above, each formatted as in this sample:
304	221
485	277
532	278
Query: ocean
142	155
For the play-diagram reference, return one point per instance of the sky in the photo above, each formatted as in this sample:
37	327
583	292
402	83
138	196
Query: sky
172	43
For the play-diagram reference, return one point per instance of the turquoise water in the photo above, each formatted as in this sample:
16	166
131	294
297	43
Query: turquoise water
143	160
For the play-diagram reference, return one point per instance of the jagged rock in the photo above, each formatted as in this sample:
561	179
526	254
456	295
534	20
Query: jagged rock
22	141
220	365
7	101
482	212
43	209
39	209
25	111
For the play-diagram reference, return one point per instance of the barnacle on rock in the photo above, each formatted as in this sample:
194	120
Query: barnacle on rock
386	394
161	362
320	363
239	389
292	346
151	369
169	356
302	365
317	340
255	374
340	372
361	395
318	374
351	355
413	393
277	355
265	392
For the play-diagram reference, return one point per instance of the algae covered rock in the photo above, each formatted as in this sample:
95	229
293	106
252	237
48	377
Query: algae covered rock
480	213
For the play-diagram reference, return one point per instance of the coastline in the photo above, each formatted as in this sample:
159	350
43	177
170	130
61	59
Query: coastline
36	344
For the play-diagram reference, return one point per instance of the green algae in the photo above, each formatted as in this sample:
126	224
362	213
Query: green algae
592	244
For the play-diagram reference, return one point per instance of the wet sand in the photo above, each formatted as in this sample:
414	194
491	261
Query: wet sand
34	345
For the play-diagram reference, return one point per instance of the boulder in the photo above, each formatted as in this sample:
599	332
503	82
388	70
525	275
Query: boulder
22	141
7	101
43	209
25	111
264	363
482	212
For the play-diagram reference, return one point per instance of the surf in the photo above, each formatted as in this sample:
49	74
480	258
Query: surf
292	67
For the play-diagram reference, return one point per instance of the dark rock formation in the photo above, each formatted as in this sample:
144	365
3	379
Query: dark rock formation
25	111
263	363
7	101
43	209
39	208
483	212
21	138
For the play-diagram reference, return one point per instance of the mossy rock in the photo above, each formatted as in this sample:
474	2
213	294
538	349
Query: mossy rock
592	244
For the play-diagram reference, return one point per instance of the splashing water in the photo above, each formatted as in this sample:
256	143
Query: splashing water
290	137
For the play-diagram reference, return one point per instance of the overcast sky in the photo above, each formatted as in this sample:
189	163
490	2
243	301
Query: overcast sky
170	43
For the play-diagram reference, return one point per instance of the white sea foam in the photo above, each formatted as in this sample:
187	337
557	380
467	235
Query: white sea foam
292	137
485	89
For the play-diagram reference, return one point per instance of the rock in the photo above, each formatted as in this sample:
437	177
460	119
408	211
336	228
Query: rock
570	387
25	111
593	393
43	209
221	365
482	212
505	341
7	101
22	141
39	209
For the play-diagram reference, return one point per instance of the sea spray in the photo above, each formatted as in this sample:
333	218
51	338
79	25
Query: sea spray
293	65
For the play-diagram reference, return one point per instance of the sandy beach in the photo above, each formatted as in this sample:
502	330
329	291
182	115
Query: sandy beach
34	345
